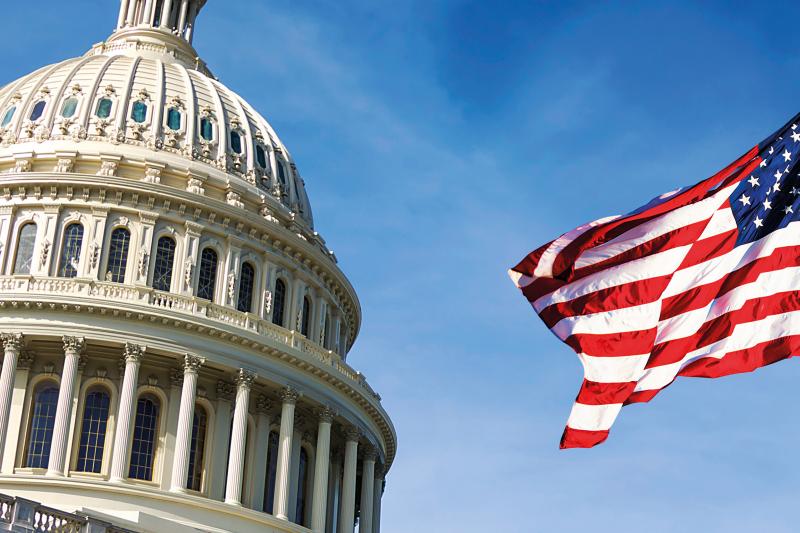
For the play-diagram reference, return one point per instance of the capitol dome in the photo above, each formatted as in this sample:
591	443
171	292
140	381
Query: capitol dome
175	332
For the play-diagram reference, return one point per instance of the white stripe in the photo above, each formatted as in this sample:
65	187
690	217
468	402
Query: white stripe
721	222
520	280
635	318
651	266
613	369
744	336
647	231
719	267
593	417
544	268
767	284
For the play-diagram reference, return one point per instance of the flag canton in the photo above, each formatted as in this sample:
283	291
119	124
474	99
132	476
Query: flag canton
769	198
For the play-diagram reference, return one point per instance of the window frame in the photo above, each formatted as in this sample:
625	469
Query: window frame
87	385
21	225
67	224
107	252
23	444
158	451
253	286
155	254
215	289
285	299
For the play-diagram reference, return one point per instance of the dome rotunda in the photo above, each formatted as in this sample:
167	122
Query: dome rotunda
174	330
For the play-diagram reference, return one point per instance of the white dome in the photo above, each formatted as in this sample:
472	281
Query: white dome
145	87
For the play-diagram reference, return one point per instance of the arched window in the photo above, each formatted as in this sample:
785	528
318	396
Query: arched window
118	255
279	302
207	277
272	468
261	156
104	106
174	118
145	437
40	433
69	107
25	245
305	327
236	142
139	111
302	489
246	285
197	449
325	325
165	259
282	173
8	116
38	110
207	129
93	431
71	251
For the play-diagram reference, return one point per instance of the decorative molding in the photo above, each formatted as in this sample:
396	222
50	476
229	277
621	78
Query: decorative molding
289	395
192	363
352	433
225	390
263	405
245	378
12	342
73	345
326	415
133	353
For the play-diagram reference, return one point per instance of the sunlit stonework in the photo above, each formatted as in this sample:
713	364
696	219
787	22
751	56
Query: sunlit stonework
174	330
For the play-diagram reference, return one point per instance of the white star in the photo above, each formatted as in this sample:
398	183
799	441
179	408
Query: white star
796	137
778	175
771	150
788	209
745	200
794	126
763	163
794	191
758	222
775	187
754	181
767	204
787	155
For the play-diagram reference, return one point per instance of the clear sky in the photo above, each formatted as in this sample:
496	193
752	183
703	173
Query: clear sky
442	141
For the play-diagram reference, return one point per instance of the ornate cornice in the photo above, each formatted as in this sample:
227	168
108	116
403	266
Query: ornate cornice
326	415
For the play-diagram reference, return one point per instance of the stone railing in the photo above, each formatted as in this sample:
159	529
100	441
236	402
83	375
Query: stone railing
14	288
19	514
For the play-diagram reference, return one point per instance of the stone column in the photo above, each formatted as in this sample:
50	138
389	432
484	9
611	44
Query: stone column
184	12
289	398
348	517
123	14
165	12
12	346
73	347
222	423
367	487
147	14
16	427
183	439
319	500
334	487
122	435
376	506
173	410
131	12
259	477
233	488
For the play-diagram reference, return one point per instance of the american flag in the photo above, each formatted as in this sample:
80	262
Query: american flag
700	282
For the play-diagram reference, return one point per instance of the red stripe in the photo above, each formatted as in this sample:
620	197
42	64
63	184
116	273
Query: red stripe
737	362
579	438
709	248
593	393
528	265
699	296
675	238
613	344
628	295
722	326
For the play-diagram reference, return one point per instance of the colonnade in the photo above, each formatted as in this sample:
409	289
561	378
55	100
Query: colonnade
176	15
325	473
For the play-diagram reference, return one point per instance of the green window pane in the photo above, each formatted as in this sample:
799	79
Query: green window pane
206	129
69	107
8	116
139	112
104	108
173	119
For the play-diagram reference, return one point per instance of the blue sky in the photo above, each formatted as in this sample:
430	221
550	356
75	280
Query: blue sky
442	141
